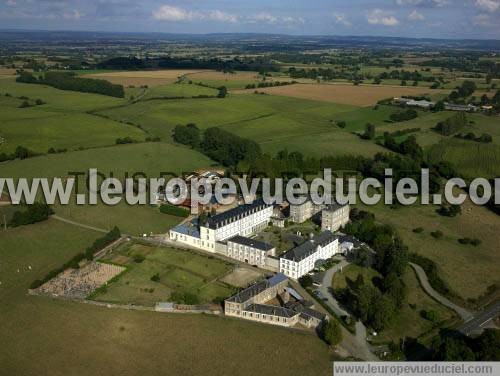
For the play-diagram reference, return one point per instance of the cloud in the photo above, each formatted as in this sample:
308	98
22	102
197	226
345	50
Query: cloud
73	15
488	5
423	3
482	20
265	17
416	16
380	17
175	14
11	3
340	18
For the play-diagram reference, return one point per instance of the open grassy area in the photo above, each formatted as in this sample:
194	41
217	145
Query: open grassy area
140	78
61	337
408	321
274	122
60	123
472	159
179	272
467	269
149	158
179	90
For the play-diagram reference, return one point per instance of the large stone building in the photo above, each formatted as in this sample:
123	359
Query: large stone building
248	250
302	259
302	212
250	304
243	220
334	216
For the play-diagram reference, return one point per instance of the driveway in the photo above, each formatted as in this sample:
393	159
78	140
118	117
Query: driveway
355	344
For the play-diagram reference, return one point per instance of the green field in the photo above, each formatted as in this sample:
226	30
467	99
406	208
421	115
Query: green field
274	122
407	322
180	271
149	158
49	332
179	90
471	159
468	270
60	123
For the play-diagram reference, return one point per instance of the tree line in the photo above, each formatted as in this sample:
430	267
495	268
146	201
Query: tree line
69	81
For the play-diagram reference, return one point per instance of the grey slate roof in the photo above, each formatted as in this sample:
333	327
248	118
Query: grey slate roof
257	288
309	247
251	243
271	310
232	215
334	207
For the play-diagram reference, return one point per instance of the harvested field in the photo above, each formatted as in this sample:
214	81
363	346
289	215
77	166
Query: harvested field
221	76
242	277
139	78
362	95
7	72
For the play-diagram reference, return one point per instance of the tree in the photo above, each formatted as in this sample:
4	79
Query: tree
369	132
332	332
306	281
222	92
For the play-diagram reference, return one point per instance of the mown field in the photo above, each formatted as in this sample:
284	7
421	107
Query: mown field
361	95
407	322
179	272
60	337
272	121
60	123
140	78
468	270
179	90
149	158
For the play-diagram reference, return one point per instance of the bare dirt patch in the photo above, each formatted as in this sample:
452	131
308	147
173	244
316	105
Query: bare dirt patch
362	95
139	78
242	277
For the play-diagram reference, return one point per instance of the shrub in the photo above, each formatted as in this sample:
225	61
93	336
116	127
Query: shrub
437	234
174	210
139	258
418	230
156	278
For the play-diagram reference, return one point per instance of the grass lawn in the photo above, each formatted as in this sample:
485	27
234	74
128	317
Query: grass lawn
407	322
180	271
149	158
274	122
60	337
468	270
179	90
472	159
61	122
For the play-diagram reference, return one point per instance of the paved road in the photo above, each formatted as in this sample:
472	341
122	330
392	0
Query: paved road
465	314
326	286
481	319
354	344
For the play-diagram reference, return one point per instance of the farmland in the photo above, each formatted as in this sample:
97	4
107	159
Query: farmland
468	270
274	122
53	330
179	272
149	158
361	95
153	78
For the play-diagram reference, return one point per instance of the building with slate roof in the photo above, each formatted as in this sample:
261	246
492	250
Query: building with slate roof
250	304
251	251
334	216
243	220
302	259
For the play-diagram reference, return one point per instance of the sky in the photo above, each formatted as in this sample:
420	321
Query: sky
406	18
